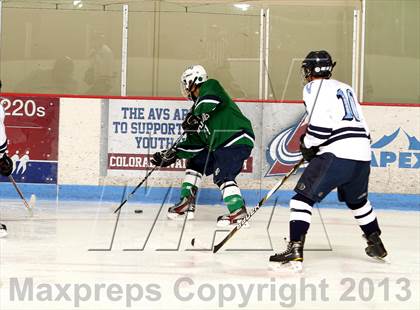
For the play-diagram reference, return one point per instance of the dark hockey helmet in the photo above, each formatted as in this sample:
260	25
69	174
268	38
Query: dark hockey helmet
317	64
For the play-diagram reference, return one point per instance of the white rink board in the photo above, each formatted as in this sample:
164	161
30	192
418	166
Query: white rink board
84	142
395	166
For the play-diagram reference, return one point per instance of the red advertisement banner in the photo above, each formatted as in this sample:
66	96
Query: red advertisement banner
32	131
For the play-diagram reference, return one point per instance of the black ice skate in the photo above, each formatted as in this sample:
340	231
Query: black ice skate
232	218
3	230
292	257
185	206
375	246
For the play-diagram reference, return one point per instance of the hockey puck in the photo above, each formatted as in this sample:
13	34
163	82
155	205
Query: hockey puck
138	211
192	241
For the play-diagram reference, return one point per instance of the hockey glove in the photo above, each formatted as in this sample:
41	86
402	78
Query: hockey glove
192	122
164	158
307	153
6	165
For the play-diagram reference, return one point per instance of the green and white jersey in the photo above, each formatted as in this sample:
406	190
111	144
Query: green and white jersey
224	123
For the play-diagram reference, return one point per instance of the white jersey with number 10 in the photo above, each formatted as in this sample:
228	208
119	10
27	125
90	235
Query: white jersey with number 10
337	124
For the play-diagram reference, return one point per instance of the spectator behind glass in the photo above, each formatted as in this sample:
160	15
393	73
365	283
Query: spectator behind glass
56	80
100	74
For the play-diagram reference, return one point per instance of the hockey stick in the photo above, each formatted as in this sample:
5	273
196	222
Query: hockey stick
256	208
147	175
270	193
12	180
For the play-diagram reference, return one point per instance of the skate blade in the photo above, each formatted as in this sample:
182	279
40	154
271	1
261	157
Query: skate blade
231	225
378	259
176	216
295	267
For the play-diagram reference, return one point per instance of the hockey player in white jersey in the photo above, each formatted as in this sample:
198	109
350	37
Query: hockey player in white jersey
337	147
6	164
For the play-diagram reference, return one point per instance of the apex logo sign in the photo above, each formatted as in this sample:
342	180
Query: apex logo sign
384	152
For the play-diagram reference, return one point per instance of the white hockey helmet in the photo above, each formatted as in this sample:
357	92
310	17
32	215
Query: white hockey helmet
193	75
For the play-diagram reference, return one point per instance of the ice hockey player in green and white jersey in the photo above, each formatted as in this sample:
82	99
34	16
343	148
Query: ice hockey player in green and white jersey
219	139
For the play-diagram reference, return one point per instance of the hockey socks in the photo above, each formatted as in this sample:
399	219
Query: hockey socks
187	189
234	202
365	217
191	183
232	196
300	216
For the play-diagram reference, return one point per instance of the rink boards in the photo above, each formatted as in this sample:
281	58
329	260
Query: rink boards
98	145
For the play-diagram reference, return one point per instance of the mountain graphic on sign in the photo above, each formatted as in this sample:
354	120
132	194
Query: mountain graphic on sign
413	142
385	140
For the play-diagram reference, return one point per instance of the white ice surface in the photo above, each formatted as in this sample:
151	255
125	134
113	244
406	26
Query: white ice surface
52	248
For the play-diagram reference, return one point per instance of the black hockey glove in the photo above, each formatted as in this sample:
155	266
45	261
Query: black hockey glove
164	158
192	122
6	165
307	153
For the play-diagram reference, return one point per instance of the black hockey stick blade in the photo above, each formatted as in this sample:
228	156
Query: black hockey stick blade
134	190
230	235
147	175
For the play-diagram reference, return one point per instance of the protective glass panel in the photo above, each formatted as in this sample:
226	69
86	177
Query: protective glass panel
295	30
61	51
392	55
222	38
